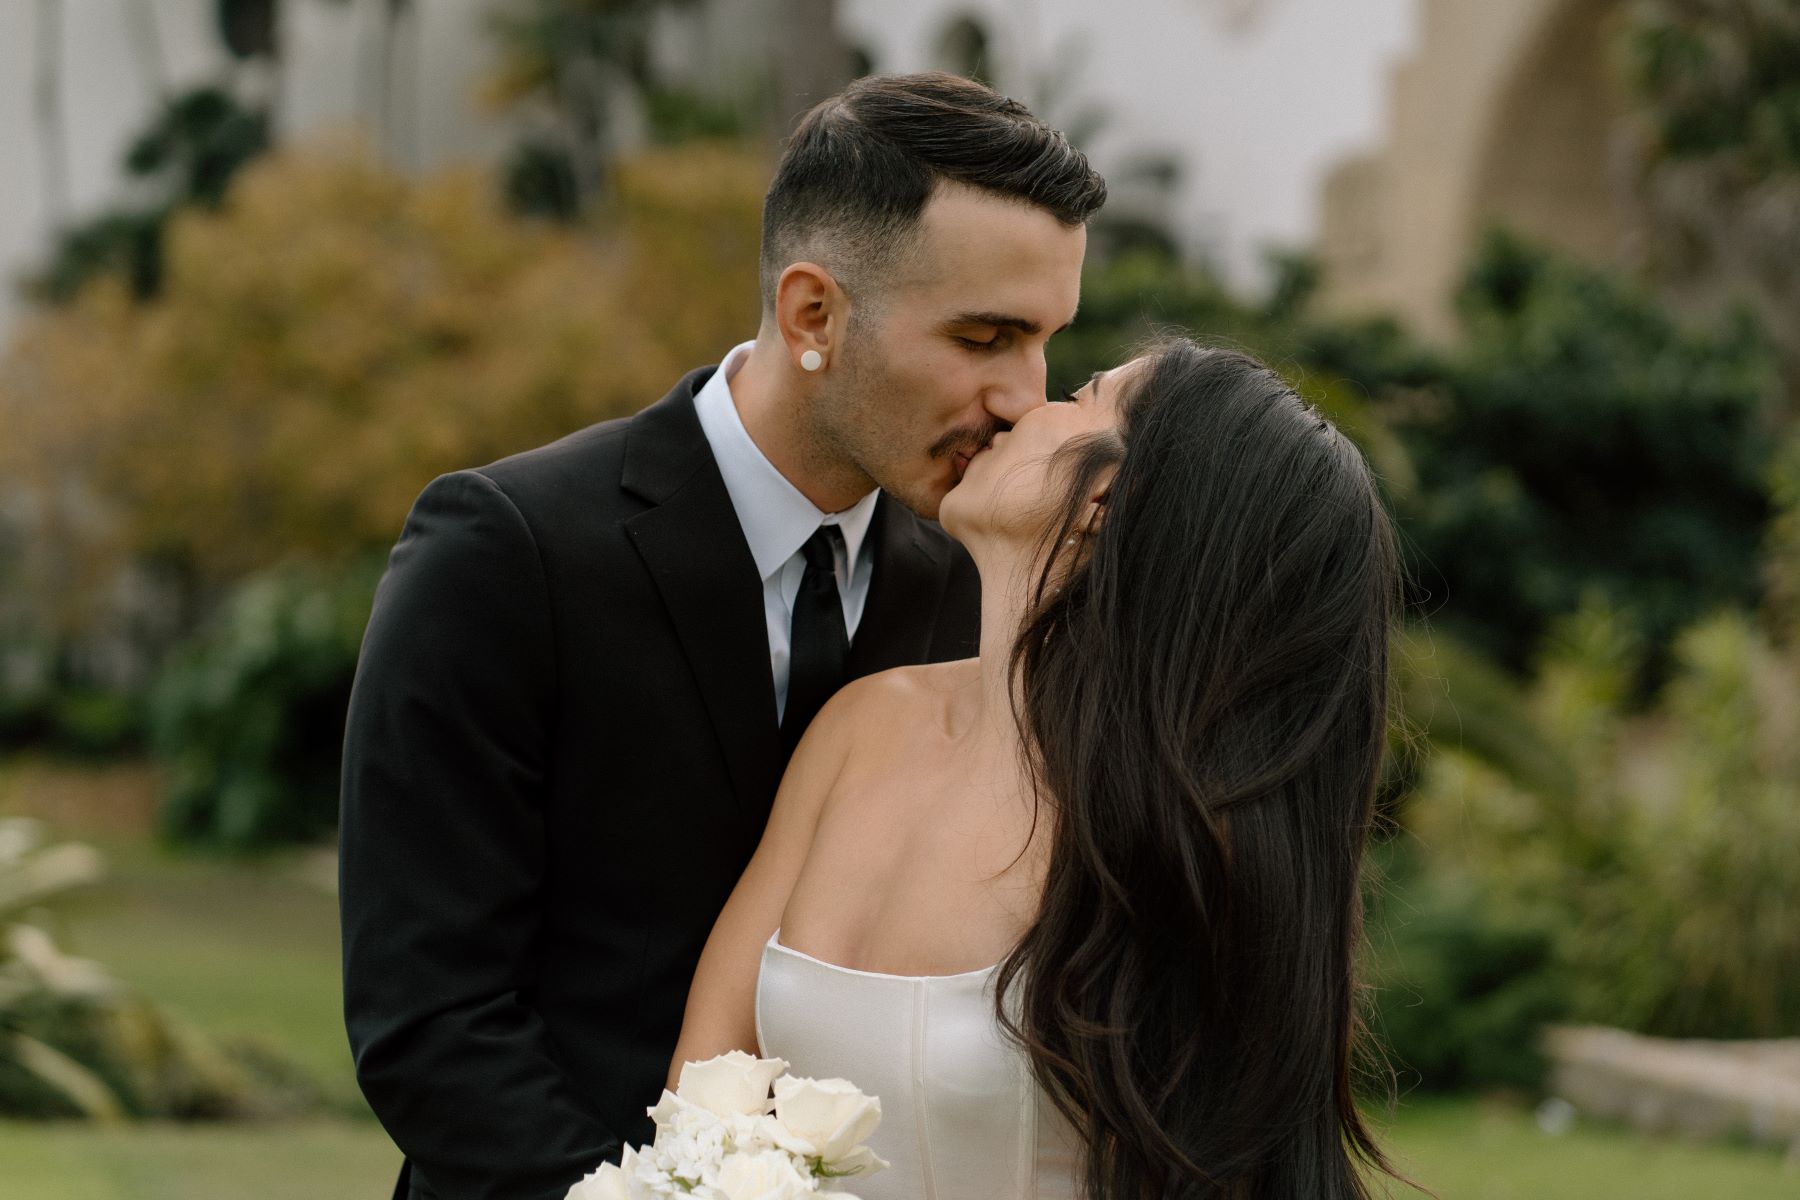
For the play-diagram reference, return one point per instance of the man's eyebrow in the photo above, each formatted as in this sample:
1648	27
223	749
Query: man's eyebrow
998	320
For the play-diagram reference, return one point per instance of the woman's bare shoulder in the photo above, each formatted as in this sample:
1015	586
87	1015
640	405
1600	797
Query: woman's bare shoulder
878	713
913	691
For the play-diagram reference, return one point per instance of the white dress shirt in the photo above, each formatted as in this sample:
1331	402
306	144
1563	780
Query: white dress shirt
777	520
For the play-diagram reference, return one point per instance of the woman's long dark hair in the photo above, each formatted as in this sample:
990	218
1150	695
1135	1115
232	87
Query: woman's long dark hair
1203	696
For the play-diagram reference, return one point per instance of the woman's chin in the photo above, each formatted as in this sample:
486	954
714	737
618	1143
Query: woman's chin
950	514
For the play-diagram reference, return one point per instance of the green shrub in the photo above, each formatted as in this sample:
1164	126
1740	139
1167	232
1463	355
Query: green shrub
1452	697
92	723
249	717
1583	441
84	721
1129	300
74	1043
1667	873
1577	439
1461	991
108	1055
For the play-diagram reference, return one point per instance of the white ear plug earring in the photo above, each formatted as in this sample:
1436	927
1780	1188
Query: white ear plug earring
812	360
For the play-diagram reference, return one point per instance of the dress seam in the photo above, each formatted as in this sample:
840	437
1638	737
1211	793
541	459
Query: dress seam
921	1031
762	1043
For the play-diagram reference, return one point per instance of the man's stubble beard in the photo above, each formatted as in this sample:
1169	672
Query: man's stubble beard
854	429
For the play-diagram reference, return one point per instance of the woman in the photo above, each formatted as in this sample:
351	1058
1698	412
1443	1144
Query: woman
1083	911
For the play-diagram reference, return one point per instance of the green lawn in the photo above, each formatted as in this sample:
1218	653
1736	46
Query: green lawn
1471	1150
1462	1150
311	1160
238	949
251	949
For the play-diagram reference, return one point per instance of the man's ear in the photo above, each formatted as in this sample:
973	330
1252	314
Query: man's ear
811	311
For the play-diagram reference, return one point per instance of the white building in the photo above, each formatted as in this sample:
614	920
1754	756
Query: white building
116	57
1255	100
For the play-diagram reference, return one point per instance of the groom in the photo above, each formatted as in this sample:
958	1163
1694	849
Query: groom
587	664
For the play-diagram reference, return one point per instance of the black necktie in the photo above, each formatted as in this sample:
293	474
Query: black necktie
818	647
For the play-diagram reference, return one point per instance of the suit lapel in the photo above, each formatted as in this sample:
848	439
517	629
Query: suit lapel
693	546
904	593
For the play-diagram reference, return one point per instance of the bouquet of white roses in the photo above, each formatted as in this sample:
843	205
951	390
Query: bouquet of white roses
720	1137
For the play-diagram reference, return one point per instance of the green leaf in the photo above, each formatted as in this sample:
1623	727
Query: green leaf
68	1078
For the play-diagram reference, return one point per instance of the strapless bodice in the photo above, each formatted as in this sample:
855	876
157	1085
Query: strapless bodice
961	1116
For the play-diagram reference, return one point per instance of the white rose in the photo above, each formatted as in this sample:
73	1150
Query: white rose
830	1119
768	1175
610	1182
752	1134
667	1109
861	1161
730	1084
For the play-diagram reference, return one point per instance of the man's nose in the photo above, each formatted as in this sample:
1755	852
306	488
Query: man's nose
1019	392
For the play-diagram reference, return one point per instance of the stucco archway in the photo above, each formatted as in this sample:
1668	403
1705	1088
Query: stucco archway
1503	116
1548	164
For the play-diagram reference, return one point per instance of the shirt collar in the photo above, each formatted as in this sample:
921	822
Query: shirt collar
777	518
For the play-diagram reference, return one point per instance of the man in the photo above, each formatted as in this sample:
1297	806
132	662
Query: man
588	663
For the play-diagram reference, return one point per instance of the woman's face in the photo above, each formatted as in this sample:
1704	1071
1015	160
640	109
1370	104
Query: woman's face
1009	490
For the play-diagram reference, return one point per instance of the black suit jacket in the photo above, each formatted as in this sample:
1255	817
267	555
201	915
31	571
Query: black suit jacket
561	751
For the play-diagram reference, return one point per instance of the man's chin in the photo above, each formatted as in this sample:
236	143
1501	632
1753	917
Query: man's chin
924	500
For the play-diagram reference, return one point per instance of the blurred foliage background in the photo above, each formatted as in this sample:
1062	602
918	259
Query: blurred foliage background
228	393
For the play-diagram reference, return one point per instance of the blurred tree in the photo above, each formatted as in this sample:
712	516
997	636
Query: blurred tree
249	28
1127	301
1716	133
1582	440
581	76
569	63
1781	562
1678	836
321	348
1579	438
186	157
337	335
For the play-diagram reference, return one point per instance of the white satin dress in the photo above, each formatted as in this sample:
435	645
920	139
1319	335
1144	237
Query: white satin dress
961	1116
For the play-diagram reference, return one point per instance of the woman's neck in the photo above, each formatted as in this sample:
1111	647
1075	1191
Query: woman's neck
990	698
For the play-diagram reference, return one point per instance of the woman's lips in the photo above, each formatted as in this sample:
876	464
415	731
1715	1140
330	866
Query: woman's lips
963	460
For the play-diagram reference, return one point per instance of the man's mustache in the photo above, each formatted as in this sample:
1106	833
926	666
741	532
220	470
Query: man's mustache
964	441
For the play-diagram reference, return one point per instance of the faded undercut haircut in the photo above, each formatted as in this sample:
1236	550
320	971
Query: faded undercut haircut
853	181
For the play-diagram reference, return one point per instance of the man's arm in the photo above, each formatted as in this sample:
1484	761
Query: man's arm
443	857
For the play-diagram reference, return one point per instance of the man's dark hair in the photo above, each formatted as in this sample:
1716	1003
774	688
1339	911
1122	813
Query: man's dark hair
855	176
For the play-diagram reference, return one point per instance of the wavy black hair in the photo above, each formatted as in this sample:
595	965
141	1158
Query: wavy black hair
1203	697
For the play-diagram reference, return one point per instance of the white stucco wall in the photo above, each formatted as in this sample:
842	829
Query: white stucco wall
1258	107
106	98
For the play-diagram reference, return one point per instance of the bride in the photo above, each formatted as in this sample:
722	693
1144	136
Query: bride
1083	911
